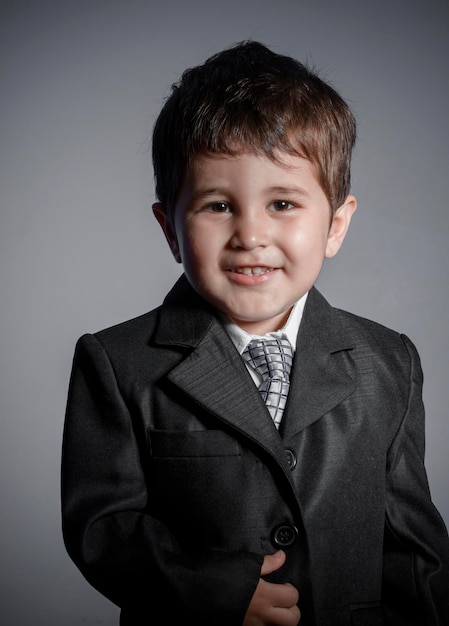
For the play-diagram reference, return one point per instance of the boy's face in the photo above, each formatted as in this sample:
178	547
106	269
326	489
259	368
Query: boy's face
252	234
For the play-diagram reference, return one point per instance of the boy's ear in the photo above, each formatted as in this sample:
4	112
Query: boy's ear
339	226
161	215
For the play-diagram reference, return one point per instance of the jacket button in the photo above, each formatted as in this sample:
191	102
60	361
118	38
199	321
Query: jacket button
291	458
284	536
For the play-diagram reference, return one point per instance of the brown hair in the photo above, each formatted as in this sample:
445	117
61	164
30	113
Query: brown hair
248	98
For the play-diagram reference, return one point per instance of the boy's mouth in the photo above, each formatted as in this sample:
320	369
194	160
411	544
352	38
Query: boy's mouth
253	271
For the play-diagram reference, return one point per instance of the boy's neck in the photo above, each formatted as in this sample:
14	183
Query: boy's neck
241	336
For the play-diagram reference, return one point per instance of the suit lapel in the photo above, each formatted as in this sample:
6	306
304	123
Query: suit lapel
320	379
213	373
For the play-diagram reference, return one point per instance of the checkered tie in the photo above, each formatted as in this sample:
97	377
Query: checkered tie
272	359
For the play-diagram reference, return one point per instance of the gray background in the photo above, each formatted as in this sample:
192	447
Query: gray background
81	84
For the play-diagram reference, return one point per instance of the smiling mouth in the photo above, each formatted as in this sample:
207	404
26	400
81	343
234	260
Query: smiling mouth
253	271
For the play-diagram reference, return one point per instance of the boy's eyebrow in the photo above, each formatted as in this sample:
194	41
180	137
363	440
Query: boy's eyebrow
211	191
287	190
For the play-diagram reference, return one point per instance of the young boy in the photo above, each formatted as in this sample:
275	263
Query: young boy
191	496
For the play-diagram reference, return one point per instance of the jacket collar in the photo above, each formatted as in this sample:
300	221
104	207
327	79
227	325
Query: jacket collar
184	317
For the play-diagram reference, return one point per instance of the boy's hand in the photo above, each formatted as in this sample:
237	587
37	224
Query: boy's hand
273	604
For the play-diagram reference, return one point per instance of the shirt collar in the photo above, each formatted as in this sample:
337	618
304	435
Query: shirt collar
241	338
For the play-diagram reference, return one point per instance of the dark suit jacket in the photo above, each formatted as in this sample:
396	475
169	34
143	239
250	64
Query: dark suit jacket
175	482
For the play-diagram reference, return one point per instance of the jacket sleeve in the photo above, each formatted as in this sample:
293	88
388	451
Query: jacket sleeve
416	550
109	528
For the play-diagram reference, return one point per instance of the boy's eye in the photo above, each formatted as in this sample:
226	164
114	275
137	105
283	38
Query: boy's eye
281	205
218	207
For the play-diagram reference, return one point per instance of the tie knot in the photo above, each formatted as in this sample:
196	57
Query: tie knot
272	358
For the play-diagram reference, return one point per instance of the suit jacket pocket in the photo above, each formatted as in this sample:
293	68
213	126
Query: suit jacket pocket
209	491
185	444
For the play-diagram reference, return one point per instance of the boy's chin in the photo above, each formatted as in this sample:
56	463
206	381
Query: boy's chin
260	325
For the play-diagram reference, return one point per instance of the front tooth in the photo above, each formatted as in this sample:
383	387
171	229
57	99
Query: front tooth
247	270
258	270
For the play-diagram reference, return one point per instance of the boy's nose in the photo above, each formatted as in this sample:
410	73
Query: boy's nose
250	231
